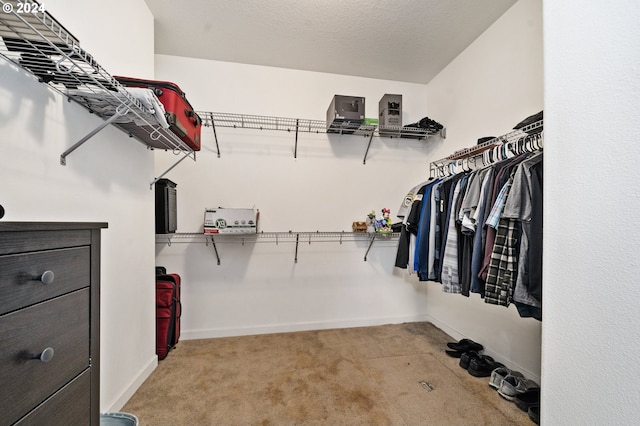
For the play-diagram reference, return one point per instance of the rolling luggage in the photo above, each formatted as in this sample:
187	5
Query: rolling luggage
177	313
165	316
183	120
168	312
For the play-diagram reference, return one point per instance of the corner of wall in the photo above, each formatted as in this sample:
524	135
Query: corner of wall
129	389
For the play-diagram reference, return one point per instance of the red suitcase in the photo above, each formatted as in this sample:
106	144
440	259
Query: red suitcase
182	119
178	310
168	312
165	316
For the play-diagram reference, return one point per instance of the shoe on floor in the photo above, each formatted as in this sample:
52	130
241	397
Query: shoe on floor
534	413
513	385
499	374
465	345
528	398
465	359
453	354
483	366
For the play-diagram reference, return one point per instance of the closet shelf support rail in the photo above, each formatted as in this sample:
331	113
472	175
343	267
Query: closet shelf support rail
119	113
187	154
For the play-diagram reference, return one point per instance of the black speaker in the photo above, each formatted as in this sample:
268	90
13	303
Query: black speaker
166	207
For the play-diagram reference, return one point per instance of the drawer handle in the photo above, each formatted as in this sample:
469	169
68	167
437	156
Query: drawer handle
44	356
47	277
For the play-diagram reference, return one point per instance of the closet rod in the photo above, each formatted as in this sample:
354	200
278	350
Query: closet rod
475	150
478	150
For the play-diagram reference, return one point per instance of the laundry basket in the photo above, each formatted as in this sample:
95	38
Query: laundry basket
118	419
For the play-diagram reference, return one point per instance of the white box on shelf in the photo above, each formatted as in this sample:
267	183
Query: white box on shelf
231	221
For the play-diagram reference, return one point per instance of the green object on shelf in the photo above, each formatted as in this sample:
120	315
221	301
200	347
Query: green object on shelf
370	121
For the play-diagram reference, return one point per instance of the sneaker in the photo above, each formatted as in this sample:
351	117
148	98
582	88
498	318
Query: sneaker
513	385
499	374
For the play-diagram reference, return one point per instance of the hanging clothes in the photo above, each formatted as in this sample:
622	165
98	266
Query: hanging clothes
467	232
421	260
410	213
503	172
443	206
481	231
479	238
502	265
524	205
450	265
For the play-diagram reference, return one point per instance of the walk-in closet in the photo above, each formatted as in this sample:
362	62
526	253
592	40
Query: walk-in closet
334	308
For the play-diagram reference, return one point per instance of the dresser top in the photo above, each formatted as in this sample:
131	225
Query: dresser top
49	226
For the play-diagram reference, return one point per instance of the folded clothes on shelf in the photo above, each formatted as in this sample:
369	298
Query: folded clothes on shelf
105	104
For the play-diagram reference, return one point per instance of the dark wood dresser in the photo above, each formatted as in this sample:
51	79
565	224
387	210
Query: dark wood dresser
50	323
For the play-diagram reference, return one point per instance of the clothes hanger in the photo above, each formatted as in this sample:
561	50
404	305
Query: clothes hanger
520	146
468	166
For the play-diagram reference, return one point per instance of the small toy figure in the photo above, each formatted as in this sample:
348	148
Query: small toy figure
359	227
371	221
384	224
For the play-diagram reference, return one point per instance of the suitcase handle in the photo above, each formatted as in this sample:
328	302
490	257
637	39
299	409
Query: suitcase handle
193	116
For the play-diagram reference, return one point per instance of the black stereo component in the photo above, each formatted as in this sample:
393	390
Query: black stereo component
166	207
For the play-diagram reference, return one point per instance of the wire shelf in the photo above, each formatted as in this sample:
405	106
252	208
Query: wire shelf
262	122
259	122
39	44
275	237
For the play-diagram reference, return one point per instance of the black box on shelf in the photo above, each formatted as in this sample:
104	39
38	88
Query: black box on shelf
345	114
166	207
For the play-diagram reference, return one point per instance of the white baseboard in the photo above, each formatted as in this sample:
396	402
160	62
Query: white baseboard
292	327
131	388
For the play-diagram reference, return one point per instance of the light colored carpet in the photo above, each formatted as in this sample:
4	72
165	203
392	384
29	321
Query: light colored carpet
384	375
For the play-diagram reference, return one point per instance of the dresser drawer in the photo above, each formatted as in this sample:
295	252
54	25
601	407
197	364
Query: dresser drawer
70	406
32	240
61	324
22	279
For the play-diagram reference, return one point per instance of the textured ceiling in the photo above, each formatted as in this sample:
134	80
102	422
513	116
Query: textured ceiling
404	40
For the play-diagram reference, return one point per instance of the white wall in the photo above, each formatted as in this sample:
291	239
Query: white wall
107	179
258	287
592	94
491	86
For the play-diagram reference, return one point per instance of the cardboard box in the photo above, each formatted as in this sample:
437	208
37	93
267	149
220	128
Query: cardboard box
231	221
345	114
390	110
